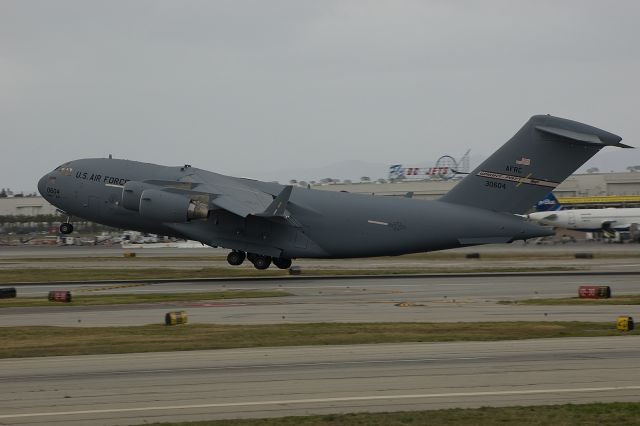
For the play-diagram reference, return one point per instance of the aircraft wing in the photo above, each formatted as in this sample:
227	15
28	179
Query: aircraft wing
250	202
239	199
551	216
242	206
609	225
237	196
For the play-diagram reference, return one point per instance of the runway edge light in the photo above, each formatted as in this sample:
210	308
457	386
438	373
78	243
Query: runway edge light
175	318
625	323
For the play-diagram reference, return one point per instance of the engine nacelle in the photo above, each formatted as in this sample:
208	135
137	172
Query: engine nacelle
131	194
171	207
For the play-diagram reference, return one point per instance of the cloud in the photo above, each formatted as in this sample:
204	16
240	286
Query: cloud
245	87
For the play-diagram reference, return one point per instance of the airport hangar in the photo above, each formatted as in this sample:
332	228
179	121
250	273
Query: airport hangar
620	189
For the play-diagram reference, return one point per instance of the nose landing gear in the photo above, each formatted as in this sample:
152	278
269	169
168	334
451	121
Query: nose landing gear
66	228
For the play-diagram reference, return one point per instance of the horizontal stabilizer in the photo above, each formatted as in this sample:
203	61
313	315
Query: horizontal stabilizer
609	140
552	216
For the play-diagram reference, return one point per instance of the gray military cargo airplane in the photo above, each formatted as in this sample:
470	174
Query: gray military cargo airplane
267	222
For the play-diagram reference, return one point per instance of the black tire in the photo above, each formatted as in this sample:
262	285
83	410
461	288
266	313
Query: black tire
262	262
235	258
282	263
66	228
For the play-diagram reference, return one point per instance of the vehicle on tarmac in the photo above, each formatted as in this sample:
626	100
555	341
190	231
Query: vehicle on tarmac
270	223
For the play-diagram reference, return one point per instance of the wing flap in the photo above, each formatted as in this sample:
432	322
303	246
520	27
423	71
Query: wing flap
240	207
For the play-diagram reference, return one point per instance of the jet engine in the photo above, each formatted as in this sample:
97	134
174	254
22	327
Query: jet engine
167	206
131	194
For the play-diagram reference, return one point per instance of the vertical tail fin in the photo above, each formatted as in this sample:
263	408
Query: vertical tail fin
548	204
544	152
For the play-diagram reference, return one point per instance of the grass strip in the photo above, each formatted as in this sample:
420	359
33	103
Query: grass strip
126	299
87	274
618	300
597	414
22	275
48	341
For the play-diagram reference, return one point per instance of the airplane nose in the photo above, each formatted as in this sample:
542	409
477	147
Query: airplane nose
42	184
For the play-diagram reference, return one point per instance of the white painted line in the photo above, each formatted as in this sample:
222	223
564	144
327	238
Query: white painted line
320	400
114	186
377	222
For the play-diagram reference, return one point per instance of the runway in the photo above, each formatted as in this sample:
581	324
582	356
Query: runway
137	388
262	382
447	299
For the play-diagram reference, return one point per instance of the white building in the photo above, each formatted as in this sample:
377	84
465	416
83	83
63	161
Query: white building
25	206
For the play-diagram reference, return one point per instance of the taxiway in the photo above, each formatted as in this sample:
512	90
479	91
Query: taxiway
438	299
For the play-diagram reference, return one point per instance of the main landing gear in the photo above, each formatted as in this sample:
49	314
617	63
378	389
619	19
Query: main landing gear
235	258
259	261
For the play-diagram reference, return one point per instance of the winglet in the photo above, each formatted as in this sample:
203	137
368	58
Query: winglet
279	205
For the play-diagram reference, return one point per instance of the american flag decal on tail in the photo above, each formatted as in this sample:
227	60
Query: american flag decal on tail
524	161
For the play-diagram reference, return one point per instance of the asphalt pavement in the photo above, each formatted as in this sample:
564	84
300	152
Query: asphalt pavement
262	382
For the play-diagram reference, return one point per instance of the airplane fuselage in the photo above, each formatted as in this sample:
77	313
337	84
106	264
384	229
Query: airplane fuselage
318	224
619	219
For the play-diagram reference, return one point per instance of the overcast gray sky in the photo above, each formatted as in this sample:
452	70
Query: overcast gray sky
251	87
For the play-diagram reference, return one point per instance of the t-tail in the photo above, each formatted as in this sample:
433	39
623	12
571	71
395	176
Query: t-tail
548	204
544	152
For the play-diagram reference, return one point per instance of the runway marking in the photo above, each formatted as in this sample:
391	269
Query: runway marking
319	400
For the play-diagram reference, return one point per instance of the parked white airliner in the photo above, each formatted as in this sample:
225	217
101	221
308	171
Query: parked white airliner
608	219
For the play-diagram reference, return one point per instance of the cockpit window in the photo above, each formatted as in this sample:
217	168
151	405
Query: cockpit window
65	170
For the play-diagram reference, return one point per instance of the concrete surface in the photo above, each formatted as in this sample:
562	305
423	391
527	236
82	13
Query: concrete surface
342	300
137	388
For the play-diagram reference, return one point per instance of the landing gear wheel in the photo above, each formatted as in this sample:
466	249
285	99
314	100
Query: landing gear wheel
236	258
66	228
282	263
262	262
